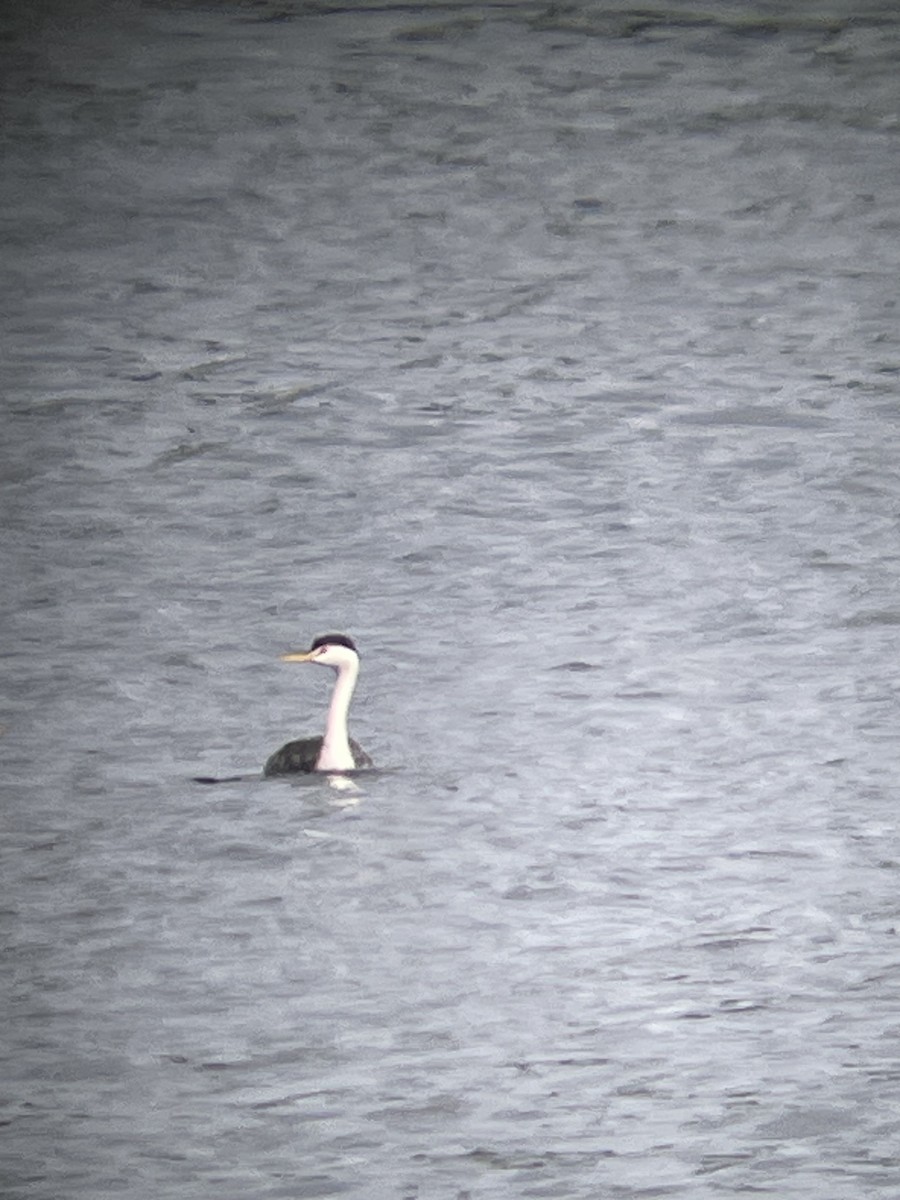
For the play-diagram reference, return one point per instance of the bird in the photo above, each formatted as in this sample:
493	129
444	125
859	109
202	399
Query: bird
335	750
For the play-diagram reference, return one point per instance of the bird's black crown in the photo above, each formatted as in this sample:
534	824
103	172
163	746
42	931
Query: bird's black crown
334	639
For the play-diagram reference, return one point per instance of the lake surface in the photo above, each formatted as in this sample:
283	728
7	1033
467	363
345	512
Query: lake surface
553	353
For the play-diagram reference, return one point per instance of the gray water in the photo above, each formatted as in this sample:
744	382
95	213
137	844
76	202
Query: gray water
553	353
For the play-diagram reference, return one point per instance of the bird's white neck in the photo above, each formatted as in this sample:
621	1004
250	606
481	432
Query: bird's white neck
336	754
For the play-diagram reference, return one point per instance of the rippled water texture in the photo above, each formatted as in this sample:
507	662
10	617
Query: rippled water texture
551	351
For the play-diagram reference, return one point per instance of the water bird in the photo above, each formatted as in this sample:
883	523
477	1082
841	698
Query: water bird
335	750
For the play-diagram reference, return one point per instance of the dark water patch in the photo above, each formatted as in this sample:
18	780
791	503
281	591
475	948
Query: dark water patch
866	620
807	1123
576	666
438	31
757	415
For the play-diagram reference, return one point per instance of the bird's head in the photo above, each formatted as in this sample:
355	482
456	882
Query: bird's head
330	650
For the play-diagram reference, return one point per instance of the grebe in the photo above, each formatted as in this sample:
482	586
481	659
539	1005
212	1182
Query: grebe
336	750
